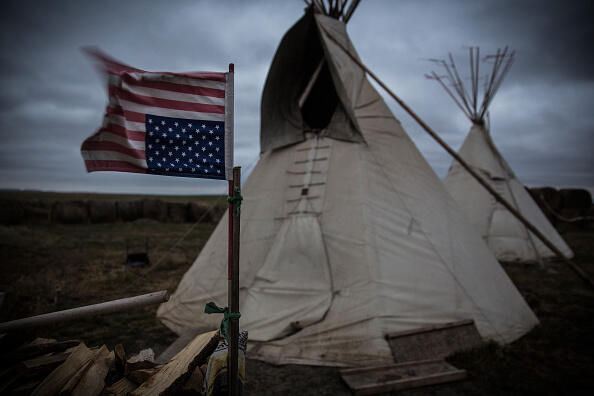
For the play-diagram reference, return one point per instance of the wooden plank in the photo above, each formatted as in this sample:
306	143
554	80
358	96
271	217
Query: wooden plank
44	363
123	387
175	373
437	341
141	375
379	379
54	382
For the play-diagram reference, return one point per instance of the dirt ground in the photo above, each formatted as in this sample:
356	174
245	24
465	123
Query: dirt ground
49	267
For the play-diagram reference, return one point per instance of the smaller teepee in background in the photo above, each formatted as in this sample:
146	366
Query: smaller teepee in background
509	239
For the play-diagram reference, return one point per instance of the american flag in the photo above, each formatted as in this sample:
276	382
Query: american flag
175	124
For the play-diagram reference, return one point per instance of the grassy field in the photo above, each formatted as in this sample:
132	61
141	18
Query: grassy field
48	267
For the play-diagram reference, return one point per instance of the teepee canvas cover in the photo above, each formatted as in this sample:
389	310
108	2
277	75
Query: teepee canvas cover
507	237
346	232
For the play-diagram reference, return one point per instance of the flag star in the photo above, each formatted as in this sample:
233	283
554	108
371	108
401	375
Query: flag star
176	148
151	133
177	160
217	138
218	171
217	126
170	153
164	159
157	128
166	169
210	155
204	160
217	149
183	142
172	165
203	137
190	125
210	143
162	122
196	155
180	169
164	135
196	143
175	123
203	126
190	148
205	170
157	140
197	130
163	147
156	152
198	166
203	148
183	154
211	132
170	141
170	130
218	160
150	120
150	158
191	137
193	169
177	135
150	146
159	164
212	166
190	160
183	130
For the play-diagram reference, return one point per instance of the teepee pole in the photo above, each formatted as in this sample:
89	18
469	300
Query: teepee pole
478	178
233	281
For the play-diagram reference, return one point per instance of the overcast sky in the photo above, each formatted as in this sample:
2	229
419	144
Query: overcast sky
51	99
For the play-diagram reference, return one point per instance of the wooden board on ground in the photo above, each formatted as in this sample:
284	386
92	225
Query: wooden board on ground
175	373
432	342
379	379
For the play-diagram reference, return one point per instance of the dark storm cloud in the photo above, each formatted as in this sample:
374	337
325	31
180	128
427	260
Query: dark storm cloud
52	98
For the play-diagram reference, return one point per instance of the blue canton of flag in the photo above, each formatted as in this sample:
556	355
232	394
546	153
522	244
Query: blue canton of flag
183	147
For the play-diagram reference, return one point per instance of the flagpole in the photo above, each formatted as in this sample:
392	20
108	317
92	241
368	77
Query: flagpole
233	274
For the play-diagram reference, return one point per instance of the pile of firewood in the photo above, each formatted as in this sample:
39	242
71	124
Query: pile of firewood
47	367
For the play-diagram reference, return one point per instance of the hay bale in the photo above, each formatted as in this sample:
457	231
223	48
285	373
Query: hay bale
129	210
102	211
11	212
154	209
576	198
200	211
177	212
69	212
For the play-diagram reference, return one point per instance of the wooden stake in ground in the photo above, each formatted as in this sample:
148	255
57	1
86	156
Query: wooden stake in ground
233	279
580	272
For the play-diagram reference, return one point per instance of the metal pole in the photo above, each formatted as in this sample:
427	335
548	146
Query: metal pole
233	287
89	310
478	178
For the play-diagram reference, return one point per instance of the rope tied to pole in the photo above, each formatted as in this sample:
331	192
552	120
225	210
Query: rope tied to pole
211	307
235	200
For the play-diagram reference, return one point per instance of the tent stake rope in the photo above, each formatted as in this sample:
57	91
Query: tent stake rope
580	272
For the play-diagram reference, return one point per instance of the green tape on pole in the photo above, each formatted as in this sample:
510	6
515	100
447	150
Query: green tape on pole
211	307
236	201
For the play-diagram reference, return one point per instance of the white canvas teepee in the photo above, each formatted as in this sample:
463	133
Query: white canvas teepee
346	232
507	237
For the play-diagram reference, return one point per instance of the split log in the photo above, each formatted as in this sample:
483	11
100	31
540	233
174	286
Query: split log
58	378
193	385
90	378
123	387
145	359
142	375
120	360
44	363
175	373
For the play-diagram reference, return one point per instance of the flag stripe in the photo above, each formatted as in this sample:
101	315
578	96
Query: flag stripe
112	156
143	109
114	166
129	115
108	136
185	79
165	103
120	120
124	133
171	95
173	86
92	145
